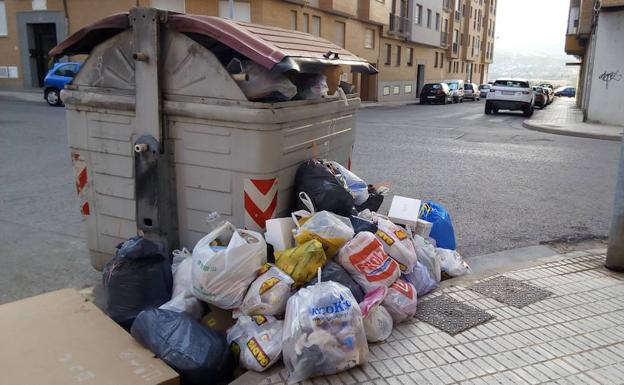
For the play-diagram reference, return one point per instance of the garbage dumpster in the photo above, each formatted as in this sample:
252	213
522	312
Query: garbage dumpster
161	134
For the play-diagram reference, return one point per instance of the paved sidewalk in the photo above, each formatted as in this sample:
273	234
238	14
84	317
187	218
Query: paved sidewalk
562	117
35	96
400	103
575	336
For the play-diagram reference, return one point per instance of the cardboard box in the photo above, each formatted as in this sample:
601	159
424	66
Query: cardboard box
59	338
404	211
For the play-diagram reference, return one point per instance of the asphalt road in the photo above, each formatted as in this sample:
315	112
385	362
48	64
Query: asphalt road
506	187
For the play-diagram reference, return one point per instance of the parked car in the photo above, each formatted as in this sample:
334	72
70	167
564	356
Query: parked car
546	85
568	91
541	96
471	91
550	96
59	75
435	93
457	89
484	89
510	94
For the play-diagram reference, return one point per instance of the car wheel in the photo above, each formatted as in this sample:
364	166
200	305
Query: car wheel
495	110
461	100
488	108
528	112
53	97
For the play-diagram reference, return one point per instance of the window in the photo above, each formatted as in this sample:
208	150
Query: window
435	64
293	20
407	89
316	26
449	70
306	23
39	5
68	70
461	41
511	83
437	21
241	11
419	11
441	59
369	38
386	90
410	56
388	54
169	5
396	90
398	56
463	68
3	20
339	28
428	18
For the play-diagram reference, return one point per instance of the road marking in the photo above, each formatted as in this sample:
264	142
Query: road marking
472	117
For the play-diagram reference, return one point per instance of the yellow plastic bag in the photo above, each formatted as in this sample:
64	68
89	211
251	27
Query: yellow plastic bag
301	262
331	230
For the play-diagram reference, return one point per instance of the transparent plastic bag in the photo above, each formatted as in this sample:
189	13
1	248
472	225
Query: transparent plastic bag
355	185
330	229
257	341
397	243
427	255
301	262
452	263
261	83
268	293
225	263
377	320
323	332
367	262
401	300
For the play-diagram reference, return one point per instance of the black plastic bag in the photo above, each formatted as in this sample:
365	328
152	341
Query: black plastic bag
199	354
323	188
336	273
361	224
374	201
137	277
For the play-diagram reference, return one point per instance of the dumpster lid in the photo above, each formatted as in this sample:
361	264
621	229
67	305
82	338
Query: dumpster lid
270	47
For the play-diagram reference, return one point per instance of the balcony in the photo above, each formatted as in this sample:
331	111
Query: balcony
399	25
457	16
372	10
444	39
446	4
344	8
574	45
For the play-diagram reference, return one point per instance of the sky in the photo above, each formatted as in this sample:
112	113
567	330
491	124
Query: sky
531	26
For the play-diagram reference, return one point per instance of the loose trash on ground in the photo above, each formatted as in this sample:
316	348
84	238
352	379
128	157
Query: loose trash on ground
200	355
378	322
138	277
182	298
452	263
256	341
442	226
404	211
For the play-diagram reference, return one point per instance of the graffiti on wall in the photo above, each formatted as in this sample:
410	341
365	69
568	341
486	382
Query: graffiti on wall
608	77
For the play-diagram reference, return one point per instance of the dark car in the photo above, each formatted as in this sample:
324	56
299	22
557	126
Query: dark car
541	96
570	92
56	79
436	93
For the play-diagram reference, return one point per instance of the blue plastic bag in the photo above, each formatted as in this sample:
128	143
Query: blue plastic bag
442	230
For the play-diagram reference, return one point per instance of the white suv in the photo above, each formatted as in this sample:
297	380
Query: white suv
510	94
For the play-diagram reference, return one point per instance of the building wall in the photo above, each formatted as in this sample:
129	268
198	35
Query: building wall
420	31
607	75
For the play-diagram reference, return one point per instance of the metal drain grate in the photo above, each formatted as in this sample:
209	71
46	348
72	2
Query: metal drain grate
510	291
450	315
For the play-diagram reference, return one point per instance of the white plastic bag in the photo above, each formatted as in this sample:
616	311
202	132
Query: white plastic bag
257	341
323	332
328	228
377	320
356	186
367	262
261	83
401	301
225	263
268	293
182	299
422	279
452	263
427	255
397	243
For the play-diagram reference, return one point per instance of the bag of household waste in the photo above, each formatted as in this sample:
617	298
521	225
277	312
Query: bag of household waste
225	263
328	228
137	277
355	185
367	262
360	224
442	229
182	299
256	341
422	279
401	300
301	262
268	293
397	243
323	332
377	320
428	257
311	86
258	83
375	199
334	272
325	191
452	263
200	355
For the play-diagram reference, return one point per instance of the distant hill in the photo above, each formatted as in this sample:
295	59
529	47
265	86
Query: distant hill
536	65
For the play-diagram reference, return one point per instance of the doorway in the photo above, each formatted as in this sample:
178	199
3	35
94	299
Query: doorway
420	79
41	39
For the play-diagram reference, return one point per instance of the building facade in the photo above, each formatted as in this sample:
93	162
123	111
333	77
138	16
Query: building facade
411	42
595	34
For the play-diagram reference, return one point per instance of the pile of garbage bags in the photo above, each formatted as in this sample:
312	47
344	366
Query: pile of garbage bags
350	275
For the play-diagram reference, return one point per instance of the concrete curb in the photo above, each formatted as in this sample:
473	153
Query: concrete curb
562	131
18	97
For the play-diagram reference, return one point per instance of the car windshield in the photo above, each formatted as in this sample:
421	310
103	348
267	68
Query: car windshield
435	86
484	86
453	86
468	87
512	83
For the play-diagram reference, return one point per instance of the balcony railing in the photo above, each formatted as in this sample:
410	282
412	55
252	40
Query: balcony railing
455	48
398	25
444	39
457	15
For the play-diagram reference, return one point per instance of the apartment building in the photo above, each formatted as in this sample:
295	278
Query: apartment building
411	42
595	36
